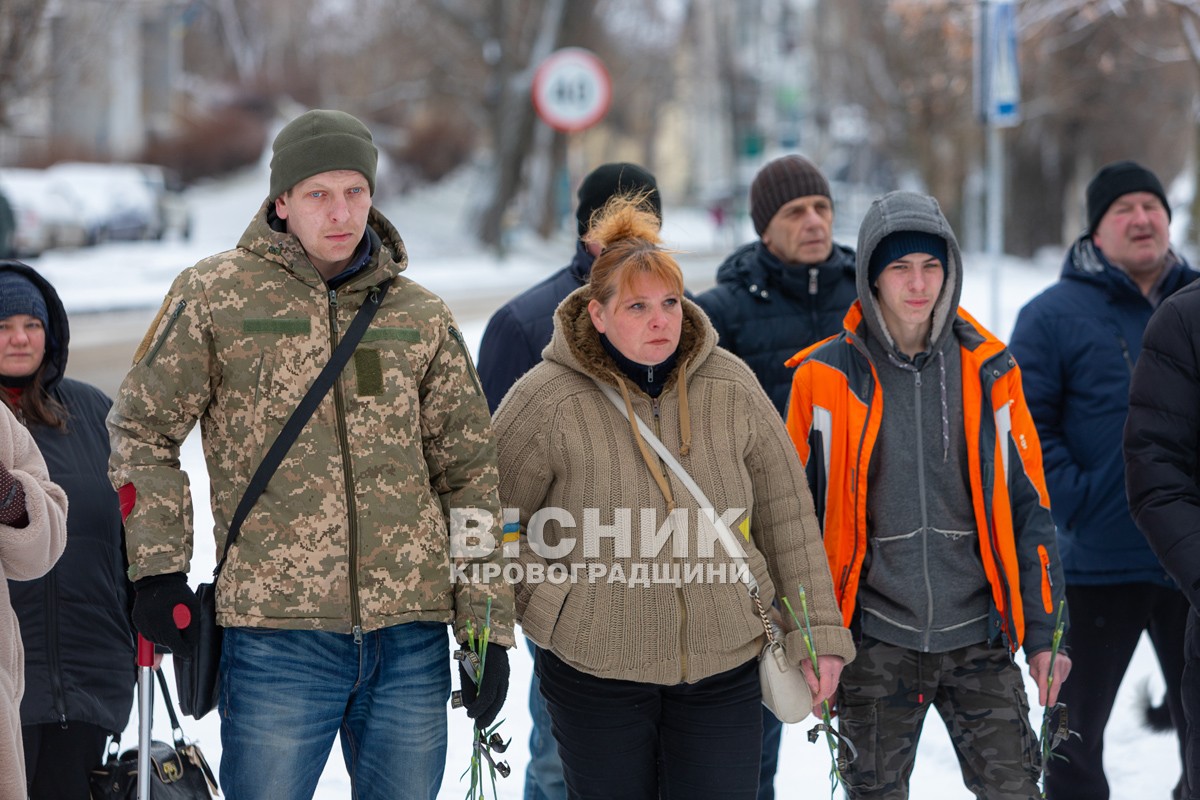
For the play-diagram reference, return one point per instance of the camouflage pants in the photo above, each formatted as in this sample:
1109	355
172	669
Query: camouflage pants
978	691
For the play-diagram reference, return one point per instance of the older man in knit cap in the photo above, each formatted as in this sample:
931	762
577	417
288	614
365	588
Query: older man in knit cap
777	295
512	345
1077	343
791	287
336	595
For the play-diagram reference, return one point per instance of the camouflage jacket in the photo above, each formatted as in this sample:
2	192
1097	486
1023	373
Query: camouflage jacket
354	529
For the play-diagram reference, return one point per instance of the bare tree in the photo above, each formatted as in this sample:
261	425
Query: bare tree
20	21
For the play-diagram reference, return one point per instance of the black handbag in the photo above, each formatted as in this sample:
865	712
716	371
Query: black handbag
179	772
197	676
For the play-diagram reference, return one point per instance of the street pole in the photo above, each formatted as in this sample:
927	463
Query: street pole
995	219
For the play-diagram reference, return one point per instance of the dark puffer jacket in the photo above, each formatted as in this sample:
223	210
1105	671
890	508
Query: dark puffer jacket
1162	439
517	333
79	652
1077	344
765	311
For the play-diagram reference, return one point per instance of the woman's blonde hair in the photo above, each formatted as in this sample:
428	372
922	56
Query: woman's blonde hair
627	232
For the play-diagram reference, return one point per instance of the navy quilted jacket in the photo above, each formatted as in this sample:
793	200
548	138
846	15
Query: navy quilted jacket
1076	344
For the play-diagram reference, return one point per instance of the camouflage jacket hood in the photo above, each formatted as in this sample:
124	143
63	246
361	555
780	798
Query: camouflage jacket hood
353	530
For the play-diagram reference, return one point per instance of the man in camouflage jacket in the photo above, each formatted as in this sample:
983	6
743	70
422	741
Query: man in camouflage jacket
336	594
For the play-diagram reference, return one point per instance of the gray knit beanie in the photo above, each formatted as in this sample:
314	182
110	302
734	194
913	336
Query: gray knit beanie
780	182
321	141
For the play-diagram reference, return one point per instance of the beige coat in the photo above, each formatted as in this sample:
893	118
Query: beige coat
562	444
25	553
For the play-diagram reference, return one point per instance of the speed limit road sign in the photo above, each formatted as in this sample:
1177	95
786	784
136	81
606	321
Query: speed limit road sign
571	89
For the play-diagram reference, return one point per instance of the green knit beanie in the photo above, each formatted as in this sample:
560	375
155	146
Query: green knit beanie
321	141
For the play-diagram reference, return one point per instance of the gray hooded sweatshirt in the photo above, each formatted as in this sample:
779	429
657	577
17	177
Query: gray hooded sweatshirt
925	588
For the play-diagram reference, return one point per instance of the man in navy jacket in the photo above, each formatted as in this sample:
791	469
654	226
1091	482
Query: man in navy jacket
512	344
516	334
1076	344
789	288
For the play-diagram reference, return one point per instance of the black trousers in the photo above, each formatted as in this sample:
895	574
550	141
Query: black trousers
1106	625
1191	705
621	740
58	759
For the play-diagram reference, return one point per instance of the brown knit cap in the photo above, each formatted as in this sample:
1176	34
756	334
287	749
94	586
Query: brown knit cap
782	181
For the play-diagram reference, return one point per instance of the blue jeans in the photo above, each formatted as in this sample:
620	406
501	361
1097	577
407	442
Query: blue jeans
285	695
544	775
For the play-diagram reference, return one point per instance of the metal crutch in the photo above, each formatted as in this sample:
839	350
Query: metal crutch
145	662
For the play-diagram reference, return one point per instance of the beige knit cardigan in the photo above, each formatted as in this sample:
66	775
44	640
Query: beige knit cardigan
25	553
563	445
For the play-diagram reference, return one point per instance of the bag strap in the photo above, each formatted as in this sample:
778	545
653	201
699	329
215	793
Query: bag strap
727	538
304	410
176	730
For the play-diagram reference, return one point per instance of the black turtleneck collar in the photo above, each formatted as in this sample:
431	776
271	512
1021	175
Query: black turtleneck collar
650	379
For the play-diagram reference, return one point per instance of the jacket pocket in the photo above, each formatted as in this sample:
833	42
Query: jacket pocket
542	612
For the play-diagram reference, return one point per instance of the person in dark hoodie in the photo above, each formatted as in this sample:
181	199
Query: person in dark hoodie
935	515
512	345
1077	344
790	288
79	652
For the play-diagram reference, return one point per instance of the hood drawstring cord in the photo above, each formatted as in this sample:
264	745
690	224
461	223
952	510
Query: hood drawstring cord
685	418
945	408
650	459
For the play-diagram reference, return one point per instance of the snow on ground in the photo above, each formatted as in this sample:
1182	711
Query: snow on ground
442	257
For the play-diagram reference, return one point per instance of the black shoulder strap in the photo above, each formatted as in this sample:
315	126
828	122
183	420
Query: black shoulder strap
308	404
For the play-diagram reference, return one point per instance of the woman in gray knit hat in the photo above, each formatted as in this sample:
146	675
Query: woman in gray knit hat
650	640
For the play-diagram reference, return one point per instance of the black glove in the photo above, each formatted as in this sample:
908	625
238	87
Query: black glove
157	614
483	703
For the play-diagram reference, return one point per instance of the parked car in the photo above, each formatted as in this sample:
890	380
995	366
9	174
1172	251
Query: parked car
45	211
167	189
112	199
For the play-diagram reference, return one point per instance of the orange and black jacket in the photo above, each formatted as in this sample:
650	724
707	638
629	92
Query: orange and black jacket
833	418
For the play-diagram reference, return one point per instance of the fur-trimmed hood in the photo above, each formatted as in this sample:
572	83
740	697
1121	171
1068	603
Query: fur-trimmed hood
576	342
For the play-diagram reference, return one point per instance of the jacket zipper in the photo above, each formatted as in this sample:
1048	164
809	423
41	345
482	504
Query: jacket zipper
924	514
182	304
683	620
458	337
339	405
52	644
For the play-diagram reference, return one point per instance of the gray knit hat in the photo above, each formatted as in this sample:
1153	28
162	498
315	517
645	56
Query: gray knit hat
321	141
780	182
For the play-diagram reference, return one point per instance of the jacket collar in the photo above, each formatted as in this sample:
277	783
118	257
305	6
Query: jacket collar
576	343
389	259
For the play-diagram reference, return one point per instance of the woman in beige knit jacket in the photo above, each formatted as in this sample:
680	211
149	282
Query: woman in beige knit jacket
649	638
33	532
